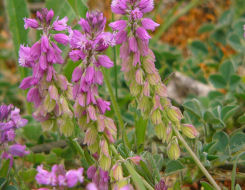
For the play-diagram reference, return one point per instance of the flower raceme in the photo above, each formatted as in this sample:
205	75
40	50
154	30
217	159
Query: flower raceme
88	46
48	91
10	120
140	72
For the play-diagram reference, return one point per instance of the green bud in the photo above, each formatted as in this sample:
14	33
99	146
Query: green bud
154	78
174	114
66	125
82	122
156	117
173	149
94	147
117	172
49	104
104	162
90	136
189	131
160	131
145	105
135	89
139	76
47	125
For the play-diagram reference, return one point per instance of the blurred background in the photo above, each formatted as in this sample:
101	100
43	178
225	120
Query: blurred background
200	54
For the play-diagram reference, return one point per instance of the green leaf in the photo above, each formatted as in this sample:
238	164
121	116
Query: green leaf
235	42
173	166
225	18
237	142
16	11
198	48
234	81
140	130
217	80
194	107
135	176
228	111
227	70
206	185
207	27
238	187
10	187
32	132
5	168
79	6
222	141
241	119
28	175
3	181
209	117
61	9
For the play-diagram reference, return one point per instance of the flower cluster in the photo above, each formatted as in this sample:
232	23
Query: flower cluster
140	72
89	108
48	90
59	177
10	120
100	178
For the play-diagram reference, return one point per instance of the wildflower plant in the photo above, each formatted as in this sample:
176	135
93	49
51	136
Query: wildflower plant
76	111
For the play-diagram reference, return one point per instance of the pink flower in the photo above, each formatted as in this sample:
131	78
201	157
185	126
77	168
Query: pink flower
30	23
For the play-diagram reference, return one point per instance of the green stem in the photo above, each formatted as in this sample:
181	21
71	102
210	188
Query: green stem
233	175
115	65
195	158
131	170
121	129
164	27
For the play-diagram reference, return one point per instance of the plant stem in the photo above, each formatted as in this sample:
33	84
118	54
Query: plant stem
121	129
115	65
174	18
130	168
195	158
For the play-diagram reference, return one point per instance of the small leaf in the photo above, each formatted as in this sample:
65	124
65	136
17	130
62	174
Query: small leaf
241	119
140	130
235	42
173	166
228	111
237	142
234	81
207	27
209	117
238	187
79	7
4	168
198	48
227	69
206	186
217	80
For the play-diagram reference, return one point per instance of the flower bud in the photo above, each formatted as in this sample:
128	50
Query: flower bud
146	89
156	117
160	131
189	131
139	76
117	172
149	66
94	148
53	92
135	159
62	82
161	90
174	114
82	122
169	133
47	125
145	105
49	104
135	89
173	149
104	162
154	78
66	125
90	136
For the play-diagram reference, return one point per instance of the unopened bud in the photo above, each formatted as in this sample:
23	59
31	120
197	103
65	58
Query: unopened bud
90	136
174	114
146	89
53	92
169	133
161	90
49	104
154	78
104	162
66	125
117	172
149	66
139	76
160	131
189	131
173	149
135	159
62	82
156	117
47	125
135	89
145	105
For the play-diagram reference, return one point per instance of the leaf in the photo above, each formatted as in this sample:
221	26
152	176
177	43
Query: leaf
140	130
234	81
209	117
194	107
16	11
237	142
222	141
217	80
238	187
135	176
173	166
206	185
228	111
10	187
198	48
28	175
5	168
227	69
32	132
207	27
61	9
241	119
225	18
235	42
79	6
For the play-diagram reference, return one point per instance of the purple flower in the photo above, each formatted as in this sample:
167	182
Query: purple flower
149	24
74	176
25	59
60	25
142	33
18	150
118	25
161	185
105	61
61	38
30	23
91	186
43	176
